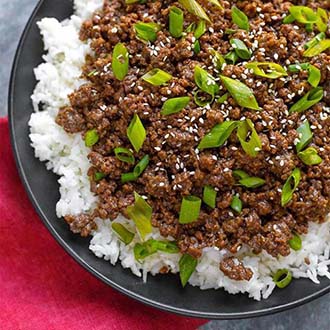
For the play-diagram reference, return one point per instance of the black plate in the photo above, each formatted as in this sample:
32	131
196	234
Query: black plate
163	292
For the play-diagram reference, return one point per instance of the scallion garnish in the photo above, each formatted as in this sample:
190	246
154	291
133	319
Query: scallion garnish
315	40
236	204
282	278
138	170
176	22
157	77
240	19
314	74
310	157
125	155
249	138
147	31
197	47
174	105
187	266
98	176
290	186
305	136
223	98
140	212
295	242
120	61
318	48
218	60
189	211
195	8
240	174
322	19
136	133
122	232
151	246
209	196
231	57
91	137
240	49
241	93
303	14
216	3
218	135
202	99
205	81
311	98
200	29
267	69
248	181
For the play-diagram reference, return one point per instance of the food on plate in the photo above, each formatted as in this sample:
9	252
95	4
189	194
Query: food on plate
192	136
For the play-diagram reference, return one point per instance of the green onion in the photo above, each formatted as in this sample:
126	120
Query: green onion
157	77
231	57
315	40
147	31
282	278
311	98
189	211
197	47
242	94
151	246
252	182
136	133
290	186
187	266
176	22
218	135
140	213
195	8
91	137
98	176
240	19
125	155
267	69
236	204
230	31
120	61
246	130
202	99
305	136
216	3
223	98
317	49
303	14
314	74
191	27
295	242
240	174
174	105
217	60
205	81
240	49
200	29
310	156
322	20
125	235
209	196
138	170
288	19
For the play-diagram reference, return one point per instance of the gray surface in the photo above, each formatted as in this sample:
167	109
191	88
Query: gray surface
315	315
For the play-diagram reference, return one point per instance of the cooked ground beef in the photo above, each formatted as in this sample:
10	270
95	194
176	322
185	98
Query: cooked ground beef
176	167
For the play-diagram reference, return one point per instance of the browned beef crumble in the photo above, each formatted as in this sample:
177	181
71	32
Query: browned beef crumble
176	168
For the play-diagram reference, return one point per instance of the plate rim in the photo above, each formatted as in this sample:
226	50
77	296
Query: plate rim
81	262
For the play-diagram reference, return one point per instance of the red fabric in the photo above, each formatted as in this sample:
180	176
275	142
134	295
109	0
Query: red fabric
42	287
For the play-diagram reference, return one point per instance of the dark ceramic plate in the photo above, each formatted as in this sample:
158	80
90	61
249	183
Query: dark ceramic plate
163	292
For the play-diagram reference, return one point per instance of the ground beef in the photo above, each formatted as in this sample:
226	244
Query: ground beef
81	224
176	167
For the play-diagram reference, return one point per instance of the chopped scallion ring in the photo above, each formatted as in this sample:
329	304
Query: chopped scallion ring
136	133
91	138
147	31
176	22
138	170
189	211
295	242
205	81
236	204
311	98
122	232
249	138
282	278
290	186
314	74
200	29
187	266
174	105
248	181
240	49
310	157
305	136
267	69
240	19
318	48
195	8
120	61
125	155
157	77
315	40
151	246
209	196
98	176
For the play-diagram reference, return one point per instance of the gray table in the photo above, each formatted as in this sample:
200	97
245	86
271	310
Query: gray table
315	315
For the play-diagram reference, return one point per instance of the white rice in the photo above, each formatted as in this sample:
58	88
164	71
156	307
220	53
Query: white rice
66	155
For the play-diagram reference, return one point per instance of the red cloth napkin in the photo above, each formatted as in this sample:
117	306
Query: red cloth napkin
42	287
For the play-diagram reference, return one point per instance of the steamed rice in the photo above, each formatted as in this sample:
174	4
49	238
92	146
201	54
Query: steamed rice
66	155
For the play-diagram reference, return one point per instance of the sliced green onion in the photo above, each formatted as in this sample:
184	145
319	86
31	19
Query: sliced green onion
120	61
322	19
125	155
216	3
310	156
147	31
187	266
151	246
136	133
252	182
209	196
195	8
197	47
91	137
267	69
230	31
189	211
127	177
174	105
200	29
240	19
240	49
241	174
241	93
231	57
223	98
98	176
157	77
138	170
290	186
124	234
176	22
315	40
282	278
140	213
311	98
288	19
305	136
218	60
314	74
191	27
303	14
205	81
202	99
295	242
317	49
246	131
218	135
236	204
